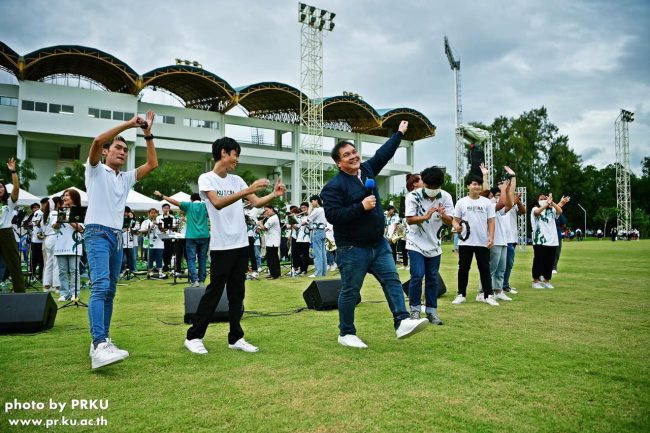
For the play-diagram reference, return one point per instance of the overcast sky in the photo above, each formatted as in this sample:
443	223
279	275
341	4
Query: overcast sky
583	60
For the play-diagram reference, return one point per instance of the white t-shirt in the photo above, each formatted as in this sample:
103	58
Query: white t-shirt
391	225
227	226
304	233
423	237
7	213
501	231
36	226
107	193
544	230
68	241
476	213
513	225
152	239
317	218
273	233
130	236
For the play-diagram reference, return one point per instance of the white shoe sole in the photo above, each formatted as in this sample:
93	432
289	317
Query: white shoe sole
188	347
233	347
114	360
420	327
342	343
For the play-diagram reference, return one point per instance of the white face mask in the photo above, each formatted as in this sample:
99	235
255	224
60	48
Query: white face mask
543	203
432	193
493	199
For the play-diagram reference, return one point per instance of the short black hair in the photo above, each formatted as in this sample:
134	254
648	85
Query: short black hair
164	205
433	176
127	209
473	178
195	196
495	190
337	147
116	138
45	200
292	207
317	198
304	203
390	207
33	205
226	143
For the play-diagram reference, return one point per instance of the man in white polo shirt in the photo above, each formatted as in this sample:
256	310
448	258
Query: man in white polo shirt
107	189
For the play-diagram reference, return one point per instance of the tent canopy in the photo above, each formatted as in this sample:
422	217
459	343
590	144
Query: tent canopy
140	202
179	196
24	197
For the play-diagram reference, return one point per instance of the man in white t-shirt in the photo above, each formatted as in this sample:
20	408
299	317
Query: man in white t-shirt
427	209
9	254
223	193
108	188
476	214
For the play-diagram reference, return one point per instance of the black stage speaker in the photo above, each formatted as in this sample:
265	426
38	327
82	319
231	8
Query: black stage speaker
442	288
26	312
322	294
193	297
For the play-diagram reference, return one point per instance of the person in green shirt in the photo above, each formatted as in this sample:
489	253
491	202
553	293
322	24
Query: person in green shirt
197	235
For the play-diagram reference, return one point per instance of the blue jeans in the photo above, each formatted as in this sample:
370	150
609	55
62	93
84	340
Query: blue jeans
258	256
194	247
68	275
354	263
427	268
320	253
510	261
104	250
155	255
498	260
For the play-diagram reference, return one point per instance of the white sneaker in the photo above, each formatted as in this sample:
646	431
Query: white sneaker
555	271
423	308
549	285
255	275
480	297
61	298
408	327
459	299
105	354
108	340
196	346
312	276
502	297
512	291
491	301
333	267
539	285
352	341
243	345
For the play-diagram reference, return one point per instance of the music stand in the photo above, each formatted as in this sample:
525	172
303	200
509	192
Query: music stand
129	274
74	214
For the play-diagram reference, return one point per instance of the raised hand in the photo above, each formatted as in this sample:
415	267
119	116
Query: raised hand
483	168
403	126
509	170
150	118
517	197
279	188
565	199
259	185
11	164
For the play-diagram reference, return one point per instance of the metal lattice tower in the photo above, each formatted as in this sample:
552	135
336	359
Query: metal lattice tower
487	149
623	193
522	228
454	63
310	163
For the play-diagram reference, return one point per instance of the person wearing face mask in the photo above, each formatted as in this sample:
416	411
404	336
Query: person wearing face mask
413	181
427	209
545	239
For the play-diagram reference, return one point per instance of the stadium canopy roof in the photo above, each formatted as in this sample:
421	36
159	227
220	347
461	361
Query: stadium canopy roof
197	87
91	63
203	90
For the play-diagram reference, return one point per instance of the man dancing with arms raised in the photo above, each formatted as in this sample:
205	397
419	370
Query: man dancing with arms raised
355	211
107	189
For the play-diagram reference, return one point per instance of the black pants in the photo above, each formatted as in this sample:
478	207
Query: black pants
295	257
405	255
251	253
179	253
302	251
11	257
168	252
273	261
543	262
558	251
228	270
465	254
393	249
37	260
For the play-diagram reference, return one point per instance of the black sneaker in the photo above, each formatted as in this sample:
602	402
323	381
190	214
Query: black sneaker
415	315
434	319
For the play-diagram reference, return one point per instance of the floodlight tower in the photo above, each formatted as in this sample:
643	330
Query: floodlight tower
623	193
454	63
522	228
310	161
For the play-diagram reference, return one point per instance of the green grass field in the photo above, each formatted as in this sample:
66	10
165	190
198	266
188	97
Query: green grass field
572	359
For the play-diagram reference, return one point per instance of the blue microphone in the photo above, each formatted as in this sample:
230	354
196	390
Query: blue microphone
370	187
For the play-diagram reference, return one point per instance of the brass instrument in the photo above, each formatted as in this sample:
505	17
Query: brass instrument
330	245
398	234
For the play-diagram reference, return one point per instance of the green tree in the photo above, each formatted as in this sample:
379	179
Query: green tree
25	173
170	178
604	214
73	175
641	221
